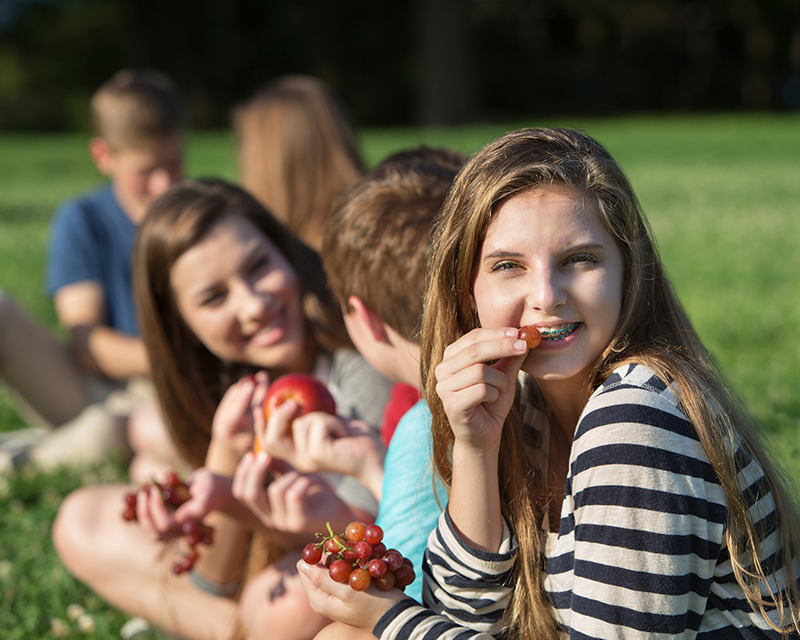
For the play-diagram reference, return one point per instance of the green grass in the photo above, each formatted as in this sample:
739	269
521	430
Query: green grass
721	193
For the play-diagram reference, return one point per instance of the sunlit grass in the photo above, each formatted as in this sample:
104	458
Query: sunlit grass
721	193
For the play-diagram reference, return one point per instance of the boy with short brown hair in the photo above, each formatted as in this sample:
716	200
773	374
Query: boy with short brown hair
375	248
139	124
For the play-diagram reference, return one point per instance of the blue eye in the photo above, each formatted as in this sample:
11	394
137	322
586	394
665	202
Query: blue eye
504	266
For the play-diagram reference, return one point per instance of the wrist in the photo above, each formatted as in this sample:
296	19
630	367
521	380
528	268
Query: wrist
221	459
371	475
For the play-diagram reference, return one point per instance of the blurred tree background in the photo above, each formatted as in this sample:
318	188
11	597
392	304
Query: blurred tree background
407	61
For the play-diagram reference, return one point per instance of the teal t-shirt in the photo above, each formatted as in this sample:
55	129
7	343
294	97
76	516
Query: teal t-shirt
408	510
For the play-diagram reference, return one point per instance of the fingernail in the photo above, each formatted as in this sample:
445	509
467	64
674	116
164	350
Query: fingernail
511	333
519	345
303	567
262	456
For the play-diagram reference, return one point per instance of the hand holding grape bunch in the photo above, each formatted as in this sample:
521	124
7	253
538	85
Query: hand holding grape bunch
359	558
174	492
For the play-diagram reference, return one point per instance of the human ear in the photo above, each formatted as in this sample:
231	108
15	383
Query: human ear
368	319
102	155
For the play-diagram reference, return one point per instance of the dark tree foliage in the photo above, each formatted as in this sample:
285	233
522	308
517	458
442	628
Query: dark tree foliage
407	61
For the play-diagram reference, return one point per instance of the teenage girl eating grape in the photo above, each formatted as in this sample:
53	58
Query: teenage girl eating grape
605	484
228	300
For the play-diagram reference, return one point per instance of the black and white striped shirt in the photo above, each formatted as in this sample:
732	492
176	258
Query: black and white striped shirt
640	552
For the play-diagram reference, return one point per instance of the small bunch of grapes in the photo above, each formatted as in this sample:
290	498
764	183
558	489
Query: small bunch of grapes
174	492
359	558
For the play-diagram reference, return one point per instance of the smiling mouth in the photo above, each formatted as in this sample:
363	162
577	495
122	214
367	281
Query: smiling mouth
276	322
551	334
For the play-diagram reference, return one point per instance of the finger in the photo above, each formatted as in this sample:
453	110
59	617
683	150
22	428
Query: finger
240	473
276	494
455	380
301	436
318	597
243	477
468	341
511	366
249	486
143	511
241	393
260	390
317	578
278	433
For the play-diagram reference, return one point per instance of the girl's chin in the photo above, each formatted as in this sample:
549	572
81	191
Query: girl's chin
284	357
545	371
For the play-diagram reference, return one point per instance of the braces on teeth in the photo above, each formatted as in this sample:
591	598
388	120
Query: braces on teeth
558	334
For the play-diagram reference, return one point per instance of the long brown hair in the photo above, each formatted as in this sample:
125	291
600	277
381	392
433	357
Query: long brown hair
189	379
297	149
653	330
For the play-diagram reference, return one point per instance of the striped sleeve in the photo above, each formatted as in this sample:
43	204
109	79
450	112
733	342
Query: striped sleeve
467	591
646	515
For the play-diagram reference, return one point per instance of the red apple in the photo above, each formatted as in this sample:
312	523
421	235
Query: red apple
305	390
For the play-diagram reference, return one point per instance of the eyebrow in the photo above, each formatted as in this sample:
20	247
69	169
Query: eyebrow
503	253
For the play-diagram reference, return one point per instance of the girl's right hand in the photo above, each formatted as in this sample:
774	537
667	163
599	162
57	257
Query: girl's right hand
476	381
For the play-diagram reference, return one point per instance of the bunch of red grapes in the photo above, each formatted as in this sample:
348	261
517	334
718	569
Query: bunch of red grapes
359	558
174	492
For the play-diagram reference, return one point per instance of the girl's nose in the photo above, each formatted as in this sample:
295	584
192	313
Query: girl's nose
548	292
250	305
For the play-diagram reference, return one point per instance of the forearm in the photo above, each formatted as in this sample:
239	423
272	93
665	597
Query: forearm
103	350
371	476
225	559
475	497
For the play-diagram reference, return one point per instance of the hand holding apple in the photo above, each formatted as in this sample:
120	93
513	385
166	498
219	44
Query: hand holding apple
307	391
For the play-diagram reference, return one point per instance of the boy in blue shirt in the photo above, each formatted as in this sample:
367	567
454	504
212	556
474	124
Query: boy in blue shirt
138	120
139	123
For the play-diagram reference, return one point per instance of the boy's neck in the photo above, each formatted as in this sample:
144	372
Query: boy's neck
135	212
407	363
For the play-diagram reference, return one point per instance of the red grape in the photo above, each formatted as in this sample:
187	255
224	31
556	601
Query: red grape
373	534
377	567
363	550
312	554
340	570
393	559
172	479
404	576
333	545
350	556
359	579
355	531
385	582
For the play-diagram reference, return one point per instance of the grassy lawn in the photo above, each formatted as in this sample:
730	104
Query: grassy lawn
721	193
